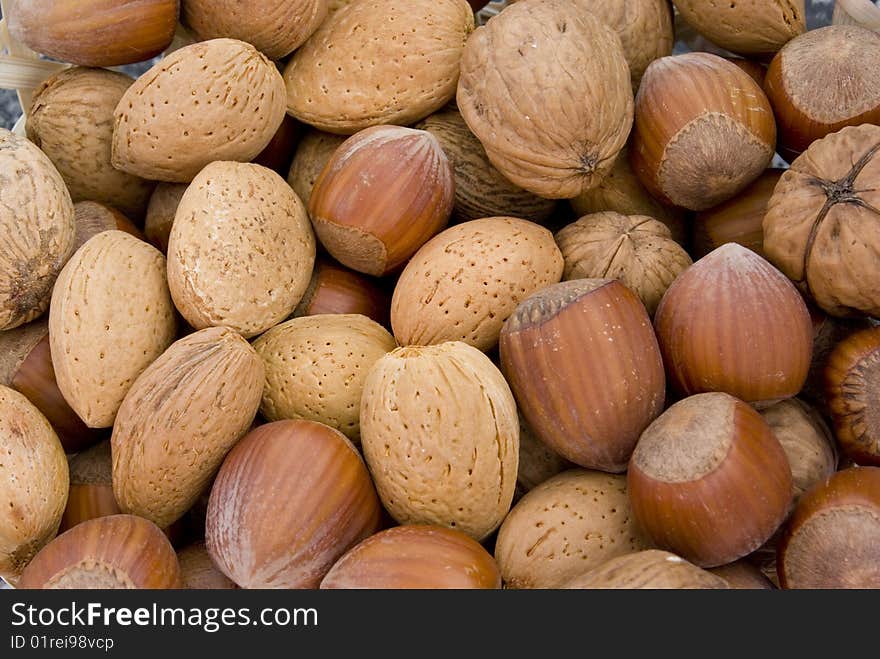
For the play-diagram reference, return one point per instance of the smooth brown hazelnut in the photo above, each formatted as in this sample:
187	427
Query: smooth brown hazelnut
92	218
278	154
160	213
334	289
91	487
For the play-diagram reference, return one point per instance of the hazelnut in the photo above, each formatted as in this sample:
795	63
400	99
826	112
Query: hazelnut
585	368
91	487
733	323
703	130
637	250
709	481
93	218
833	538
649	569
278	154
385	191
334	289
823	81
852	385
160	213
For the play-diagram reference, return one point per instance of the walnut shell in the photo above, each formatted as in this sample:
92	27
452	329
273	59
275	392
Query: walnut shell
160	213
650	569
569	524
313	152
111	316
379	62
465	282
214	100
821	223
548	131
622	192
316	367
71	120
637	250
36	230
33	482
276	28
746	27
440	434
480	189
179	420
241	249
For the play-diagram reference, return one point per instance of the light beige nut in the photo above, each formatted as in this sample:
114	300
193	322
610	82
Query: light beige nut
464	283
637	250
160	213
33	482
71	120
241	250
537	461
276	28
651	569
111	316
36	229
440	434
179	420
313	152
316	367
379	62
214	100
566	526
547	130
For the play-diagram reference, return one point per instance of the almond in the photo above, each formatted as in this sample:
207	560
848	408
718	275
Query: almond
313	152
111	316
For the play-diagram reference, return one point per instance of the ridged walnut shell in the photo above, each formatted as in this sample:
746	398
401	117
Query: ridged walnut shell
807	442
733	323
738	220
314	150
26	366
852	385
821	223
833	537
622	192
179	420
709	481
198	572
651	569
316	367
33	482
93	217
276	28
241	249
381	196
823	81
480	189
214	100
71	120
290	499
335	289
636	250
160	213
378	62
746	27
569	524
465	282
422	557
583	362
111	316
703	130
551	132
115	552
36	230
440	434
94	32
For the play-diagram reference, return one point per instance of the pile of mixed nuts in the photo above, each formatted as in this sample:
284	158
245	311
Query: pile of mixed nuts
350	294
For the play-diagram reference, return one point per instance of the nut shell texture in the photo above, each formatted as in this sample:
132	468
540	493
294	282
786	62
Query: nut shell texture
241	249
290	499
554	141
408	557
821	226
71	120
160	213
649	569
33	482
115	552
111	316
36	230
440	434
275	28
312	153
179	419
734	323
567	525
379	62
213	100
465	282
316	367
